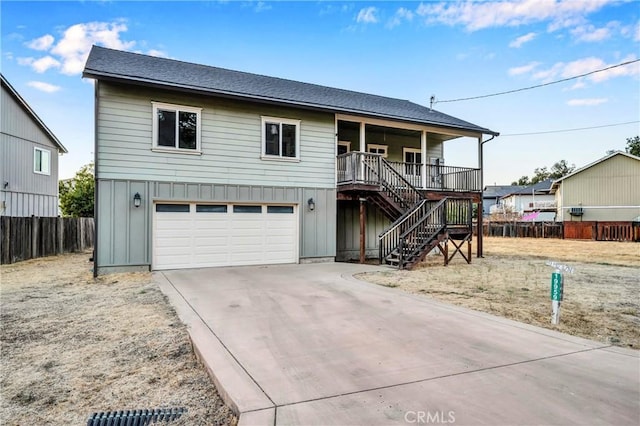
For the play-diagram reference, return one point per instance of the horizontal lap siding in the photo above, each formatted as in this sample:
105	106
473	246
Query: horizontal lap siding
231	142
614	182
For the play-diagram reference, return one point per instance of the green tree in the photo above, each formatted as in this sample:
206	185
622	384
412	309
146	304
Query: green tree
558	170
523	181
633	146
76	194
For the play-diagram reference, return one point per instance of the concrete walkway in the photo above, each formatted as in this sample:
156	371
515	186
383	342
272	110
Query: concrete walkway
311	345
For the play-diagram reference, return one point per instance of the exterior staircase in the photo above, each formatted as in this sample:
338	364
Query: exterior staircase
418	225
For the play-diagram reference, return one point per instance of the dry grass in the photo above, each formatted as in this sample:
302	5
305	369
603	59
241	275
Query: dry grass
72	346
601	300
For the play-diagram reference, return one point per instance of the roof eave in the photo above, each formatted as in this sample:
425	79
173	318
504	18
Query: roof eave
14	93
275	101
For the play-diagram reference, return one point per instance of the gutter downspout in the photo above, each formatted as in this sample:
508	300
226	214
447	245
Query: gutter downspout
479	249
95	180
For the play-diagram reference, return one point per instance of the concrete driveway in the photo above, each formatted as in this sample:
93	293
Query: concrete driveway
310	344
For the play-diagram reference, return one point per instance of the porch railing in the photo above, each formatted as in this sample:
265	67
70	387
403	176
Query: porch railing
360	168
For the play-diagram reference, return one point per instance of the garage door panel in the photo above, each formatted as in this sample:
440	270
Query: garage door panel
210	236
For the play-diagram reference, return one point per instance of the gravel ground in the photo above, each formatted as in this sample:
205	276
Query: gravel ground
72	345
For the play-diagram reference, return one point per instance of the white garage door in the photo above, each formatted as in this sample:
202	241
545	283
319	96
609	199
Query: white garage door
192	235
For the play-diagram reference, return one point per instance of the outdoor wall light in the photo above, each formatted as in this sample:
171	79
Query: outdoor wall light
137	199
311	204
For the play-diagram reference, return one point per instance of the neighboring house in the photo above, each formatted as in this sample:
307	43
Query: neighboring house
491	197
606	190
532	203
199	166
29	159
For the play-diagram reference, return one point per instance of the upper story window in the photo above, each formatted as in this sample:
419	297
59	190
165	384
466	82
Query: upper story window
280	138
176	127
41	161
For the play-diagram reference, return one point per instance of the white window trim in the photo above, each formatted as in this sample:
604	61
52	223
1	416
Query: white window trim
42	150
376	146
346	144
414	150
161	105
263	136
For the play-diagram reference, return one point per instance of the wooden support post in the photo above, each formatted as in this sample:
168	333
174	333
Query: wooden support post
363	230
469	248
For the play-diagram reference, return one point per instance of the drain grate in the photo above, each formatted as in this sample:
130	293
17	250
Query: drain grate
135	417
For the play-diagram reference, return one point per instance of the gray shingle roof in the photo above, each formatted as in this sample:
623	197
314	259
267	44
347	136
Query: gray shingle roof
135	68
497	191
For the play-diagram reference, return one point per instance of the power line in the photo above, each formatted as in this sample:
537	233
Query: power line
540	85
570	130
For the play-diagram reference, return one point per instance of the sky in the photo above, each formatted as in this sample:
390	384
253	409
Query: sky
407	50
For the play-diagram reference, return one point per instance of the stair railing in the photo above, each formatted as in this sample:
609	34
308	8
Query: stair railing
422	234
389	239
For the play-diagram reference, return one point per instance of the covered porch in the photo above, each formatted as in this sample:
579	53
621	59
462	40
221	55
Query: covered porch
415	151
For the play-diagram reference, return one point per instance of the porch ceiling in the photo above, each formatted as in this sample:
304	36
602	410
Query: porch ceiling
393	131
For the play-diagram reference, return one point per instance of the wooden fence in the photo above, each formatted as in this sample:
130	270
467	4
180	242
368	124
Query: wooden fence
598	231
25	238
522	229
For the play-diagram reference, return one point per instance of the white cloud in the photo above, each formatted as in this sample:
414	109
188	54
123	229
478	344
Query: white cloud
401	14
478	15
524	69
42	86
587	102
586	65
589	33
522	40
636	33
41	43
158	53
76	43
367	15
262	6
70	53
43	64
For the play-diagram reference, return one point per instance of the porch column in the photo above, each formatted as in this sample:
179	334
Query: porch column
480	205
423	149
363	145
363	230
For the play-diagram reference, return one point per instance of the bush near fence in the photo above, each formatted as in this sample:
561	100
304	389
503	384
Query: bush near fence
25	238
598	231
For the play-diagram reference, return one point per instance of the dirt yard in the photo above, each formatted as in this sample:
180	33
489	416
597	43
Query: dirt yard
601	299
72	346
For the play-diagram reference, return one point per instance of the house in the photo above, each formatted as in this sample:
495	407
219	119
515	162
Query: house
491	196
199	166
533	203
29	159
606	190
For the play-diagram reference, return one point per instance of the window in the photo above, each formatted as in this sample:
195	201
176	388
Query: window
211	208
172	208
247	209
413	160
344	147
280	138
176	127
377	149
41	161
280	209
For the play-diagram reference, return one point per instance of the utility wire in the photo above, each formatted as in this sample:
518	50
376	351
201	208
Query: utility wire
570	130
539	85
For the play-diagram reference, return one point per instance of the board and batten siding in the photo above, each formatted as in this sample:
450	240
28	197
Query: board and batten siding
24	192
348	230
124	231
231	133
603	190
